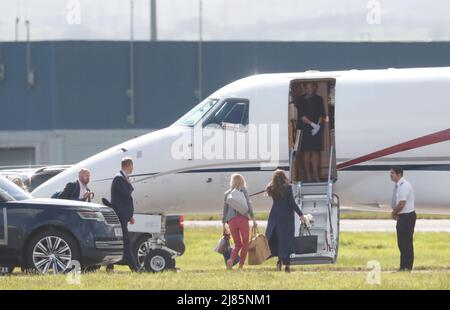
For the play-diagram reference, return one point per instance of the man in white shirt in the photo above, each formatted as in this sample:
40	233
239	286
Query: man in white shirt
403	212
78	190
83	180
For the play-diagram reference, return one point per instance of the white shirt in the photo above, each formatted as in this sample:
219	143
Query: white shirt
125	174
405	192
83	190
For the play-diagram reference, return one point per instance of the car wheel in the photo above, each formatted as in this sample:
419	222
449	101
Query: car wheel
142	249
52	251
158	260
6	270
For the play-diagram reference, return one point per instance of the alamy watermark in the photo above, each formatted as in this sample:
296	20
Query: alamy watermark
260	143
73	12
73	277
374	275
373	16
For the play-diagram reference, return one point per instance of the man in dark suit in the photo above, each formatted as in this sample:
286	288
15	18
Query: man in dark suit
78	190
122	203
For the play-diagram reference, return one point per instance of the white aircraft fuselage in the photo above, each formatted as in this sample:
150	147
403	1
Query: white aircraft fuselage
382	118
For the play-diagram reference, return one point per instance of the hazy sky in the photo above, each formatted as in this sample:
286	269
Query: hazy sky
261	20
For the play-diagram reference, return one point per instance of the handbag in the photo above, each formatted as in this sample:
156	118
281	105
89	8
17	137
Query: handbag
236	199
223	247
305	244
227	255
223	244
258	248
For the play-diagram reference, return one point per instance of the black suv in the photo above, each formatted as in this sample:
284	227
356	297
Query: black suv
54	235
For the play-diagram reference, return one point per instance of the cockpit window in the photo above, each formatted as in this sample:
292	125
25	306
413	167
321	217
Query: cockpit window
231	112
193	116
10	191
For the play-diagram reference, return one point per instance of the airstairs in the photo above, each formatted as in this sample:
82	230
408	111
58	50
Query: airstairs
319	200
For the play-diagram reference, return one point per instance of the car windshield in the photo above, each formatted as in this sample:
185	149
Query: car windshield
193	116
10	191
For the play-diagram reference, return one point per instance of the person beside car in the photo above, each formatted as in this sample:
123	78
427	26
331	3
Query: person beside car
123	205
79	189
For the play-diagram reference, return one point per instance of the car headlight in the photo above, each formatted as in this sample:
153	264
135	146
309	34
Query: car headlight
91	215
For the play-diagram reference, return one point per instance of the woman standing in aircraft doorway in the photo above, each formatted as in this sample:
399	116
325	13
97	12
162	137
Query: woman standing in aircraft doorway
311	114
237	222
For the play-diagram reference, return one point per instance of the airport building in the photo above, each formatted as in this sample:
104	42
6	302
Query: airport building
62	101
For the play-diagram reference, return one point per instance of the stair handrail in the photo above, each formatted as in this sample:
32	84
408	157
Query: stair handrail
330	170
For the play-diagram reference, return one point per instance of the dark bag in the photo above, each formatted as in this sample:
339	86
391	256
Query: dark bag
227	255
222	244
223	247
305	244
56	195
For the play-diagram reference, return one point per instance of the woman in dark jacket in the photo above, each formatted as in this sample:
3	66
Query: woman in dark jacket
280	226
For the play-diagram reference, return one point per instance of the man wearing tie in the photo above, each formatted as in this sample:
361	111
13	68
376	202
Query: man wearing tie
403	212
122	203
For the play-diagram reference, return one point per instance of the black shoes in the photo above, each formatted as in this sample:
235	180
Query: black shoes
279	265
287	268
404	270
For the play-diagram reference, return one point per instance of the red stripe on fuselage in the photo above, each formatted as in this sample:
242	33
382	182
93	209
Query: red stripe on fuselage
433	138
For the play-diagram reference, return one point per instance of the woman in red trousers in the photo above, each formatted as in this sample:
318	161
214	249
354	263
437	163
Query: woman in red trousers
238	223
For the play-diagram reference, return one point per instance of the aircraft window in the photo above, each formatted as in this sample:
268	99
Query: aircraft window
193	116
233	111
236	115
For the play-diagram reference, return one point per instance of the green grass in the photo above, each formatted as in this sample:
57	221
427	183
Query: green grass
348	215
202	268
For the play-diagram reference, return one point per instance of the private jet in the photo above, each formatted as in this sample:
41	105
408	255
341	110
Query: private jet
374	119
